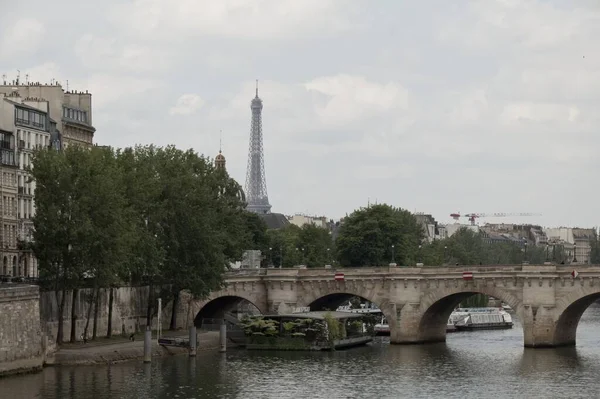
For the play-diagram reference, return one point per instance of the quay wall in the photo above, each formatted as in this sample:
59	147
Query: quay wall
128	315
22	343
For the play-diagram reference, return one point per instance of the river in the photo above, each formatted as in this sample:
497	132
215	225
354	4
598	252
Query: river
484	364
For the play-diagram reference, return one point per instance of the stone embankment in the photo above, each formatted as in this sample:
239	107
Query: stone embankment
109	351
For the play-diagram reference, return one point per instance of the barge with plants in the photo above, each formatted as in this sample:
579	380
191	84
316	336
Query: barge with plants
309	331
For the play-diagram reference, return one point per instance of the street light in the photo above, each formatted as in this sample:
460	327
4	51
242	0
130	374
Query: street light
575	253
547	252
525	251
270	257
393	255
329	255
419	254
445	250
280	257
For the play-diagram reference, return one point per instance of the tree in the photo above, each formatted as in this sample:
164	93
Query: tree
308	245
366	237
78	225
317	245
192	213
594	251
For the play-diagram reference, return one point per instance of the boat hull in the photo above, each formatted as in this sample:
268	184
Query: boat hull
490	326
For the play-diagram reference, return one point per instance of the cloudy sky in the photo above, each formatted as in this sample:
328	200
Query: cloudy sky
435	106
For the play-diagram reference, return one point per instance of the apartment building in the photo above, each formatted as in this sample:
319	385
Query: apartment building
71	110
32	116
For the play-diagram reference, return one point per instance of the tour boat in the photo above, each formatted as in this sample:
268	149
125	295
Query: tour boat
469	319
382	328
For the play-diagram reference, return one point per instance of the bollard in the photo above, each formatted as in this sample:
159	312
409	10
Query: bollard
193	339
223	337
147	345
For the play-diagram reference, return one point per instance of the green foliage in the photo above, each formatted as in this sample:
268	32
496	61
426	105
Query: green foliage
367	235
595	251
81	224
334	329
475	301
143	214
467	247
355	327
310	245
259	326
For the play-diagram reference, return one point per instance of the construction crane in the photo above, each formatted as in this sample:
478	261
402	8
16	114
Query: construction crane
474	216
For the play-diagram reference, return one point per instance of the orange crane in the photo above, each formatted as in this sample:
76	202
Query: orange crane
474	216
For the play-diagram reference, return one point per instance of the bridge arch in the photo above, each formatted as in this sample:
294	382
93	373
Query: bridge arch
569	310
331	298
221	302
436	307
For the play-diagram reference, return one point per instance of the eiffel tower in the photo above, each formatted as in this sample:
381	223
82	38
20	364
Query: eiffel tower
256	183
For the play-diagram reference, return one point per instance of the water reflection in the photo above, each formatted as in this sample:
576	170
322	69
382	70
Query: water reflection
489	364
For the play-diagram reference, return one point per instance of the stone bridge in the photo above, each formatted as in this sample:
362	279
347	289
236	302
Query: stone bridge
417	302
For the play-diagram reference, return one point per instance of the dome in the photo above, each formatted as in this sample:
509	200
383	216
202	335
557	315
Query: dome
220	157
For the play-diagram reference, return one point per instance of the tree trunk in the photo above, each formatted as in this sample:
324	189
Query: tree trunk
74	316
150	305
110	310
61	312
96	306
173	325
89	314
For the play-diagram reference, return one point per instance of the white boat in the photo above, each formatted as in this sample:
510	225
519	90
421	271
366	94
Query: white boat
468	319
368	309
382	328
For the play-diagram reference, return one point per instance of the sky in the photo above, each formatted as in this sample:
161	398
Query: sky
434	106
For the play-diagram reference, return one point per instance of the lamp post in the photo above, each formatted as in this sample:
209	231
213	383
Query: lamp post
575	253
525	251
280	257
547	252
393	255
445	250
270	257
419	254
329	256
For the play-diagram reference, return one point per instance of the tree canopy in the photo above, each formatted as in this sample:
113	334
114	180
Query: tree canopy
378	235
143	214
308	245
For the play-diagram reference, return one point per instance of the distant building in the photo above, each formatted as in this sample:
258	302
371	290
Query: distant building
300	220
451	229
251	259
431	228
576	241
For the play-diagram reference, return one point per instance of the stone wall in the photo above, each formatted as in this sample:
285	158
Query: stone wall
128	316
20	331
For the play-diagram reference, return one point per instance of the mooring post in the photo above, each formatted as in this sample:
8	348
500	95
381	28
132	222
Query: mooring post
147	345
223	337
193	339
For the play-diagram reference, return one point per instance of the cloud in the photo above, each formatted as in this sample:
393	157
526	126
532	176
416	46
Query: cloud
476	105
346	98
187	104
109	54
250	19
22	38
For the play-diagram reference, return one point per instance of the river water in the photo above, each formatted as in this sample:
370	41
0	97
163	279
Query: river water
484	364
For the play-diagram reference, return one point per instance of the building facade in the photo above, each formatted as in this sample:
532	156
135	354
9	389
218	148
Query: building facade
32	117
71	110
300	220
